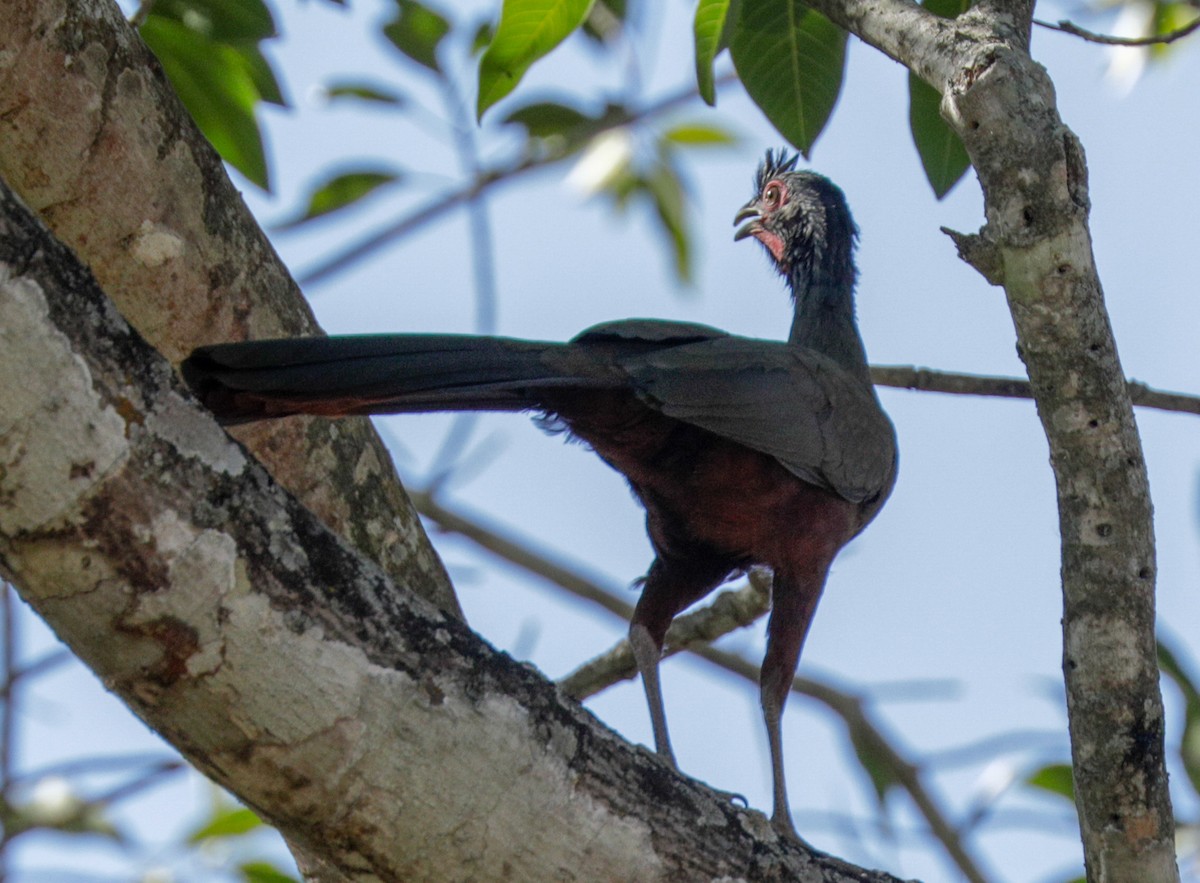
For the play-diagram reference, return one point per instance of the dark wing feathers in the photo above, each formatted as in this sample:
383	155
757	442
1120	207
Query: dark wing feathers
794	404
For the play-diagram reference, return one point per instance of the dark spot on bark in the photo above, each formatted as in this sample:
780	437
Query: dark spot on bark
1146	573
1104	530
974	124
435	693
1064	269
1093	423
83	470
1027	216
179	643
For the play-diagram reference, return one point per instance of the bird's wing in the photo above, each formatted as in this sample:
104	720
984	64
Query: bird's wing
798	406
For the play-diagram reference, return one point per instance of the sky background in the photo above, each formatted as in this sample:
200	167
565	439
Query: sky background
946	609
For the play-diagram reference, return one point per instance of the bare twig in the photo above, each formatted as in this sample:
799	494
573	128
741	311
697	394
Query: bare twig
926	380
1074	30
731	610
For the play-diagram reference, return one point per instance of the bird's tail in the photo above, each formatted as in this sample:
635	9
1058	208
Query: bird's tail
373	374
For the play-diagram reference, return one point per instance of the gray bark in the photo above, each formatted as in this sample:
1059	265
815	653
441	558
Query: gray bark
1036	243
382	737
94	139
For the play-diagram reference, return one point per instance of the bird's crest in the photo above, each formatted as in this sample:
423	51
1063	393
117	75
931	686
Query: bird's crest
775	164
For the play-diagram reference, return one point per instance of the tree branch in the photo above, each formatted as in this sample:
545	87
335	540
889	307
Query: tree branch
1090	36
1034	178
695	632
95	139
375	731
927	380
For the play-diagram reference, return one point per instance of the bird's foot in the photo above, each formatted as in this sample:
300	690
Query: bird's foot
781	821
733	797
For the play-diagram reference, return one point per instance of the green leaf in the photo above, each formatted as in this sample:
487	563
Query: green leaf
226	21
791	60
485	32
338	192
549	119
528	30
363	92
417	31
264	872
227	821
1056	778
218	87
699	135
710	30
873	763
942	154
1168	18
261	73
670	205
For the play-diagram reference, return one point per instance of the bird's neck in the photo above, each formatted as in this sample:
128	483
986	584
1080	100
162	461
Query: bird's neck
824	321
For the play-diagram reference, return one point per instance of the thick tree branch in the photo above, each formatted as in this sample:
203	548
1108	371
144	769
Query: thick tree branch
695	632
93	137
379	734
1034	179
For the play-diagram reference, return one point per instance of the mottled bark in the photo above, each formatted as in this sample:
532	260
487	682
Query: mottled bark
93	138
383	738
1036	243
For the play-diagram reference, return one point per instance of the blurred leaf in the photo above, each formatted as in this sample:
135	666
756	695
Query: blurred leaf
342	190
1168	18
483	36
791	60
218	87
417	31
528	29
264	872
1056	778
710	31
227	821
226	21
878	770
1189	741
261	73
605	20
670	205
549	119
699	135
943	156
363	92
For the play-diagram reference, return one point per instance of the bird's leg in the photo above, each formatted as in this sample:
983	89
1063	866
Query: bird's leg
792	607
671	585
646	653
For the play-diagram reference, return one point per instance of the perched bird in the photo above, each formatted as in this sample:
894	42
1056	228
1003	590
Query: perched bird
743	452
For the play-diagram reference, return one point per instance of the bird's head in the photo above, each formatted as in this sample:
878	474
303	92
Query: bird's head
801	218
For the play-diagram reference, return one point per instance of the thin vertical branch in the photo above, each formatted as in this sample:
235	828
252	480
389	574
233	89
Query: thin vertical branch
483	262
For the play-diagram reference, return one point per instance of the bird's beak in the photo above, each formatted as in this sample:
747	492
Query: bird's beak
753	217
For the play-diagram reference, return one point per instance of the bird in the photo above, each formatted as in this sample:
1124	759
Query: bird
743	452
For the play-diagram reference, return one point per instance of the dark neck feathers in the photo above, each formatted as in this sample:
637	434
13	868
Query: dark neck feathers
821	274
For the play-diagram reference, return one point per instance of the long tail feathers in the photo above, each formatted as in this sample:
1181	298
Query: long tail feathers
375	374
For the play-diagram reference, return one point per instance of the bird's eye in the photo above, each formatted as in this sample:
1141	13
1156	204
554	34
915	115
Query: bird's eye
773	195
